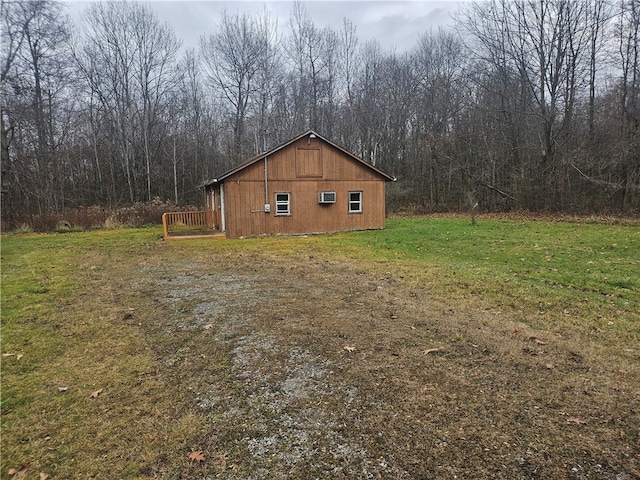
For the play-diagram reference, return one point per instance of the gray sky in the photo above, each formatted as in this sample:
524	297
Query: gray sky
396	24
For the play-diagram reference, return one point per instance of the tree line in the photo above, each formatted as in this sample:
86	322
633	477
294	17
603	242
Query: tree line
524	105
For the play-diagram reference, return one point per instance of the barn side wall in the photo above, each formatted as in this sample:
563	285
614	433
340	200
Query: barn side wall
303	169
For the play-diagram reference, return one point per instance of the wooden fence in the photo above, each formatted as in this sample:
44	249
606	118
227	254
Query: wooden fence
187	222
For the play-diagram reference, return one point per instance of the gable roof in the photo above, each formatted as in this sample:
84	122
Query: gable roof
248	163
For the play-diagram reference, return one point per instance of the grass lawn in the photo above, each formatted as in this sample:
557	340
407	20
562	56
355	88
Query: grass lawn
583	271
430	349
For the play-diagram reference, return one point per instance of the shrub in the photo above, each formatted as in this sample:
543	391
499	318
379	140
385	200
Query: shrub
23	228
97	216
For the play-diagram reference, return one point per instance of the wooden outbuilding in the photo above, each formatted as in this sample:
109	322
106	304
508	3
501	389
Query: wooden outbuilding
306	185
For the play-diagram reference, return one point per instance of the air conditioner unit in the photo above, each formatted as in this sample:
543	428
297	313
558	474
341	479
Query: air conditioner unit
326	197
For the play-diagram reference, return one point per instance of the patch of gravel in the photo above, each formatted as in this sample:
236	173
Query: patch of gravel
286	390
294	428
205	298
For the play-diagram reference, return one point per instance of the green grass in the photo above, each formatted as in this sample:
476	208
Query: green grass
544	256
594	259
60	343
66	299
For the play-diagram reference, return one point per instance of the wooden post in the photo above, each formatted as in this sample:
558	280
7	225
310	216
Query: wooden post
165	227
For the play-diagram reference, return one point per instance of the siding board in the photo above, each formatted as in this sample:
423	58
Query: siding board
303	168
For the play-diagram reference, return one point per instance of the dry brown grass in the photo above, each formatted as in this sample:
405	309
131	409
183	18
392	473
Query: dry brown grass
496	400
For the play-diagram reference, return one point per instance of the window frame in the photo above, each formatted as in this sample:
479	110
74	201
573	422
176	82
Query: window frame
279	203
351	202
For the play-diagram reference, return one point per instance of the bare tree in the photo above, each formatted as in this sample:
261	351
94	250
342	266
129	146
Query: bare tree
313	52
16	20
628	40
350	64
127	58
371	117
106	58
232	58
349	56
598	15
196	126
156	49
442	73
269	75
545	43
45	54
36	70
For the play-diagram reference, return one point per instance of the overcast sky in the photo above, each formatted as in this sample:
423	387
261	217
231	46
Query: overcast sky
396	24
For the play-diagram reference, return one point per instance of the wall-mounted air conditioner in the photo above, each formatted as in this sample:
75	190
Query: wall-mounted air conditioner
326	197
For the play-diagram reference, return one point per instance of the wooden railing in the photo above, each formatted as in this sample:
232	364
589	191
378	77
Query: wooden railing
185	221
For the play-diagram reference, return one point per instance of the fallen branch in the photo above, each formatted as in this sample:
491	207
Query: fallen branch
613	186
504	194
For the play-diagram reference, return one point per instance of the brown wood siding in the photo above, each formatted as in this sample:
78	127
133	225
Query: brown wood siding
308	163
245	194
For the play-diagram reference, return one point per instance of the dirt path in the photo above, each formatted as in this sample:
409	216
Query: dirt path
309	368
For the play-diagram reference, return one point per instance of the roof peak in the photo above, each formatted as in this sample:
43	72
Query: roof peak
285	144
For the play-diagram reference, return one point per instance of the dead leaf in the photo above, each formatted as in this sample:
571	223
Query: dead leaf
577	421
197	456
349	348
550	366
432	350
622	434
18	356
96	393
43	476
538	341
63	389
394	317
17	473
208	326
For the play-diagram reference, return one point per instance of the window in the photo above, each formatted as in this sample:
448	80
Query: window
283	203
355	202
